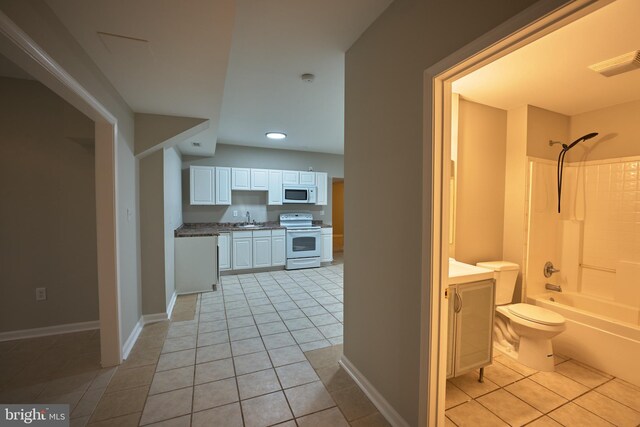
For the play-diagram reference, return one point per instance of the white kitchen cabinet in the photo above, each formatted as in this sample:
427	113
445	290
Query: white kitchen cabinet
240	179
326	237
223	186
290	177
242	253
202	185
278	247
274	197
259	179
321	183
307	178
224	251
261	248
195	264
471	311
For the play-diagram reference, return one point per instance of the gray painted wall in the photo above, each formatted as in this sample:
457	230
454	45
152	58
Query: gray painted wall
256	201
386	119
43	26
48	209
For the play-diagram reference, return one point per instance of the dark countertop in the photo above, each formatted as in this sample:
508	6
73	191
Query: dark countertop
215	228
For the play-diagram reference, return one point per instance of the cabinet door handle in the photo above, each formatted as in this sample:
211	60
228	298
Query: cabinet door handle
457	303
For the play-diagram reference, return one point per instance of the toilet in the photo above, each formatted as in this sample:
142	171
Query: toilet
522	331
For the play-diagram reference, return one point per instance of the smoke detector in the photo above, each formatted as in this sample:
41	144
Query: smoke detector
618	65
307	77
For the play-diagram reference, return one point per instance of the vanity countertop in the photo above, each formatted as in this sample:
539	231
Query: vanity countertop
460	272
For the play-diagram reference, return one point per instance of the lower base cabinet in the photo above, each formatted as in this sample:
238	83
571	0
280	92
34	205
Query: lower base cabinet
261	248
242	255
326	237
278	247
195	263
470	327
224	249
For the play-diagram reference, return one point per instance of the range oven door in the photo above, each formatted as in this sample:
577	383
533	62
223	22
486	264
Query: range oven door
303	243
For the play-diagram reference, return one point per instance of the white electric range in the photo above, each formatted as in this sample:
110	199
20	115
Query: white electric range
303	240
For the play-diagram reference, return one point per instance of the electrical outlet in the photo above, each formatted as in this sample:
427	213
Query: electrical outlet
235	213
41	294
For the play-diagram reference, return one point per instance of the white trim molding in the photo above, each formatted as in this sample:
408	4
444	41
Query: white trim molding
374	395
133	338
172	303
49	330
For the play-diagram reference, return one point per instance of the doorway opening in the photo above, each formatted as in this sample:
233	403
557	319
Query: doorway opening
452	237
26	54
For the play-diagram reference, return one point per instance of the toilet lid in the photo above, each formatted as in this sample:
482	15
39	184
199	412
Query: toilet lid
536	314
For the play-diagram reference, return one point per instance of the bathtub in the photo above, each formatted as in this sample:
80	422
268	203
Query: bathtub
603	334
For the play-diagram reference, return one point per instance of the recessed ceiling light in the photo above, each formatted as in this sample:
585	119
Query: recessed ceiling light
276	135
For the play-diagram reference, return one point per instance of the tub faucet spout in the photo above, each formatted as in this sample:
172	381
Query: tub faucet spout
552	287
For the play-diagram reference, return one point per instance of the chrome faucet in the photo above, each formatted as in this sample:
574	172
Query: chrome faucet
552	287
248	218
549	270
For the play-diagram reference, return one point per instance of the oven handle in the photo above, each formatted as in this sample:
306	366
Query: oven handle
303	231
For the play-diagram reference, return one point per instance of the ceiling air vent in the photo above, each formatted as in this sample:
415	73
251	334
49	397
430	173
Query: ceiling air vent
618	65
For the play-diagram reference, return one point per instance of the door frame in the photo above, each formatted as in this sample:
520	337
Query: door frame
538	20
16	45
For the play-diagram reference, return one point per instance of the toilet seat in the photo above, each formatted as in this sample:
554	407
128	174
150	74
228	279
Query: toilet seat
536	314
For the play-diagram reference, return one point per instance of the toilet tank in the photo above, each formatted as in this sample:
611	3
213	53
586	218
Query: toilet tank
506	274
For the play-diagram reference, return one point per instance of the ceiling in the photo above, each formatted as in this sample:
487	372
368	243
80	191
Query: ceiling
172	59
274	43
237	63
552	73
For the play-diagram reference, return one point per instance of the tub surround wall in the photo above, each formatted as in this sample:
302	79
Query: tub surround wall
595	241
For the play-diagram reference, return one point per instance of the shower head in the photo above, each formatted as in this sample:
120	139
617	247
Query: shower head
582	138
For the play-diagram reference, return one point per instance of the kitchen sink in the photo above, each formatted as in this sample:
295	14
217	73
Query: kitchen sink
248	226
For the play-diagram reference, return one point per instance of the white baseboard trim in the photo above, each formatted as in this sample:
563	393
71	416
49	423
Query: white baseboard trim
147	319
376	398
172	303
133	337
49	330
153	318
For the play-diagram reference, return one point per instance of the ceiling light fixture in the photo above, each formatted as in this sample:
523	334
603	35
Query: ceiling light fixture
196	144
307	77
276	135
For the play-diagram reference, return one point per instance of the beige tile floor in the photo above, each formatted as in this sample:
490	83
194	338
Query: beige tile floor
262	351
55	369
513	394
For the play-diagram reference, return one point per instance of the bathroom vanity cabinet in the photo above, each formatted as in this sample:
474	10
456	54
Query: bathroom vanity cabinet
470	328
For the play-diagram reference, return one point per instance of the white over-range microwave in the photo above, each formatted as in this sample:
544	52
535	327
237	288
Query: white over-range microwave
299	194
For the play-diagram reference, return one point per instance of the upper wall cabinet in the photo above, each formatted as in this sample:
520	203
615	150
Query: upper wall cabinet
307	178
274	196
223	186
290	177
321	180
259	179
202	185
240	179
